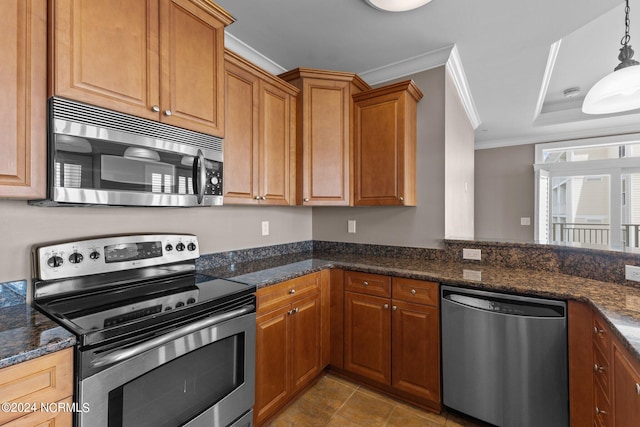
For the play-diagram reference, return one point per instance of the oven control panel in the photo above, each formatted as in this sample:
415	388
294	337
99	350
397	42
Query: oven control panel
110	254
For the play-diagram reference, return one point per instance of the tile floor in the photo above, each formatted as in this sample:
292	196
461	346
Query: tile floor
334	402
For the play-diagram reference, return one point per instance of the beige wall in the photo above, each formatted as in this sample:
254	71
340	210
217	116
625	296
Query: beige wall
459	165
504	192
220	228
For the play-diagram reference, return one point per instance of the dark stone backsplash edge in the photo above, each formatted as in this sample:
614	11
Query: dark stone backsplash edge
588	263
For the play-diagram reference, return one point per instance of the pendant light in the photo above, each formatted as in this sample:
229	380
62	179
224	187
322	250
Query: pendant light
397	5
620	90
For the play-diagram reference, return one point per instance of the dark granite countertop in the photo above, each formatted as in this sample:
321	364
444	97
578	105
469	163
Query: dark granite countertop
25	333
619	304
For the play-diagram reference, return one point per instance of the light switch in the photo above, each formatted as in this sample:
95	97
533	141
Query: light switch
265	228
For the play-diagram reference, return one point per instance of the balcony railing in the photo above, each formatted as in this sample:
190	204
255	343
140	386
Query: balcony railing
594	234
573	232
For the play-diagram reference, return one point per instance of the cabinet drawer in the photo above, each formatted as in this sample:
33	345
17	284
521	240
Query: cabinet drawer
601	408
287	292
367	283
601	335
601	370
42	380
415	291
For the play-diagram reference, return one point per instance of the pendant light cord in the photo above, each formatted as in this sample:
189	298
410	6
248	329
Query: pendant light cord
627	22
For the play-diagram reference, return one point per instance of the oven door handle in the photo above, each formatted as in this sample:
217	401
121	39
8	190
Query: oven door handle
120	355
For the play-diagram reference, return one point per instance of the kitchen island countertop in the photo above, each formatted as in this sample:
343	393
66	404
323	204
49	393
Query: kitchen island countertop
618	304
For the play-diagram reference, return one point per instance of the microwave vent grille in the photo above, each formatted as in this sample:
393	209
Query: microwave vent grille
88	114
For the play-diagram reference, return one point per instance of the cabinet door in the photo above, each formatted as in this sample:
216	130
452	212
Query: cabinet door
385	145
367	330
241	136
23	82
626	389
106	54
276	116
326	142
305	341
54	418
272	362
415	350
191	67
378	153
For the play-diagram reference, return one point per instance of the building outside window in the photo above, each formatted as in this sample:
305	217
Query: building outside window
588	192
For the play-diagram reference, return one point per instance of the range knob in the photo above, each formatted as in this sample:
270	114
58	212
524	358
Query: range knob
191	246
180	247
94	255
55	261
179	304
75	258
214	180
191	300
169	247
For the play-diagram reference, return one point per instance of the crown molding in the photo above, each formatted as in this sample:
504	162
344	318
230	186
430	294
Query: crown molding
559	136
447	56
454	65
407	67
233	43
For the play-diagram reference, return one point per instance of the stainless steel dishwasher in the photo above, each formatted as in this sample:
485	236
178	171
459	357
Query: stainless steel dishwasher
504	358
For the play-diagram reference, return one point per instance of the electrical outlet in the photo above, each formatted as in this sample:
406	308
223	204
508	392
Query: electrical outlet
525	220
265	228
631	272
351	226
472	275
475	254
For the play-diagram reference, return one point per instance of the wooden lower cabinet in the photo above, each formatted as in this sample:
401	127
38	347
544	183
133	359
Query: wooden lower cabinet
604	380
44	380
393	341
367	334
292	340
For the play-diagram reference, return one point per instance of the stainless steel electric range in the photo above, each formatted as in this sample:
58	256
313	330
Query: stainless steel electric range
158	343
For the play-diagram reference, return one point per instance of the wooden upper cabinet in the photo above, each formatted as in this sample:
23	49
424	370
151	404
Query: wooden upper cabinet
325	129
23	83
157	59
385	145
259	145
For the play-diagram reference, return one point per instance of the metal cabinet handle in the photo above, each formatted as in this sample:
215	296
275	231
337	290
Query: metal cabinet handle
167	112
413	291
598	331
306	199
263	198
296	310
402	199
600	411
394	308
155	109
292	291
386	306
597	368
257	198
127	353
365	283
290	312
638	389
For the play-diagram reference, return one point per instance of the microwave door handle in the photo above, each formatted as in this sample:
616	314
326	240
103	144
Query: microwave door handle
199	176
120	355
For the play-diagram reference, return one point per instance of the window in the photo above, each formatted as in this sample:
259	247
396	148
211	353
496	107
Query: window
588	192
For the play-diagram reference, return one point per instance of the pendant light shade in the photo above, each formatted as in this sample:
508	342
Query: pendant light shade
397	5
615	92
620	90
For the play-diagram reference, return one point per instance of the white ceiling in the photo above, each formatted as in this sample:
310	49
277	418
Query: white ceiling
504	47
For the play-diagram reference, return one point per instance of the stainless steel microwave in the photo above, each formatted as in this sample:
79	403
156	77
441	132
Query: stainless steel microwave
102	157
